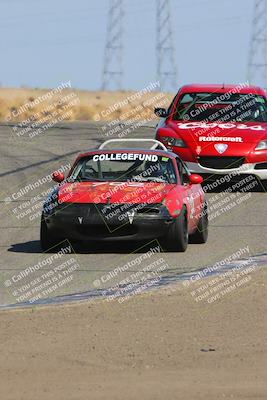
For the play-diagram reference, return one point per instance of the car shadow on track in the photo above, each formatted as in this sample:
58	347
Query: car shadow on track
33	247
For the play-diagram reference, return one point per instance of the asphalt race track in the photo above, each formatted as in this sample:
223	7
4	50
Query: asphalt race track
26	164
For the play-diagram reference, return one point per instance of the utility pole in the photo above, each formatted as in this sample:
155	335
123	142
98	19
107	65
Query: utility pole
257	65
166	65
113	69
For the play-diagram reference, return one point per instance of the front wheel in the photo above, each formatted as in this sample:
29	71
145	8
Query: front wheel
47	241
177	237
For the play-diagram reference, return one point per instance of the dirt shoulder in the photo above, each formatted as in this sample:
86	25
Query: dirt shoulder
47	106
159	345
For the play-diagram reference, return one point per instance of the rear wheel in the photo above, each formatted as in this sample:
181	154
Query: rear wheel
264	185
201	234
177	237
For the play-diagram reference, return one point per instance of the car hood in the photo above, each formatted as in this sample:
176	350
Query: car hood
113	192
236	137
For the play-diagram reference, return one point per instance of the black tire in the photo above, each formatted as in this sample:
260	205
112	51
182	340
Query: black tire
202	232
177	237
263	183
47	241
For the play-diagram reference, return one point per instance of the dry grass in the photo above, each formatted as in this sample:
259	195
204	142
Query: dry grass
71	104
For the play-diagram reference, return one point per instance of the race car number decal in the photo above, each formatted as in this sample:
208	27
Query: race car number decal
205	125
125	157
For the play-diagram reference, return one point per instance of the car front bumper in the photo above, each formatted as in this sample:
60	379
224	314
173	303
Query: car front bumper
84	222
245	169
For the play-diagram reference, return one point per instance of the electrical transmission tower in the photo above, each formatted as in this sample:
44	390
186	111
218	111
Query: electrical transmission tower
166	66
257	66
112	72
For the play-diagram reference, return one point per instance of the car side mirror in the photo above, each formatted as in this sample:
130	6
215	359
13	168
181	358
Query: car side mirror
58	176
195	179
161	112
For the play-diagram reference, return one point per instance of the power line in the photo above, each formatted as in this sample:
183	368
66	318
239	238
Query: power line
166	65
113	69
257	65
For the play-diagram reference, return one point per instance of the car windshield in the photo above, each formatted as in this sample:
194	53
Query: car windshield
223	107
123	167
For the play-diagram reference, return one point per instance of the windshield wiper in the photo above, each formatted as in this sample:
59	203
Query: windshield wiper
86	180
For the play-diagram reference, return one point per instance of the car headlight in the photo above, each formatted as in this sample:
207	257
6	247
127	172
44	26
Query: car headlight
171	141
261	145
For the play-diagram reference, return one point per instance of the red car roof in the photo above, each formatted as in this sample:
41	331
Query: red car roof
198	88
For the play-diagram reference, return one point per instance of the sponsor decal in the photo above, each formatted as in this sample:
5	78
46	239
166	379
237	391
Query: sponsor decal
125	157
221	147
205	125
191	203
237	139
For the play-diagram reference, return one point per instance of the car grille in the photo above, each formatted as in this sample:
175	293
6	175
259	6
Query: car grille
221	162
105	231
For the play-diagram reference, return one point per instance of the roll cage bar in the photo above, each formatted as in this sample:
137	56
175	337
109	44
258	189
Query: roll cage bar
155	145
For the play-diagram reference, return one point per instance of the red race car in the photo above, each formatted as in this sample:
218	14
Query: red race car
218	130
126	194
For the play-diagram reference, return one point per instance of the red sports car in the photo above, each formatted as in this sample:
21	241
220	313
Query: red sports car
126	194
218	129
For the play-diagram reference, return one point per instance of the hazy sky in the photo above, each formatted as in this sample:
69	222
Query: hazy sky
45	42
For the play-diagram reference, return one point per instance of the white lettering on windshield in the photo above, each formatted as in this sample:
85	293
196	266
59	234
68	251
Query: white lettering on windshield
125	157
